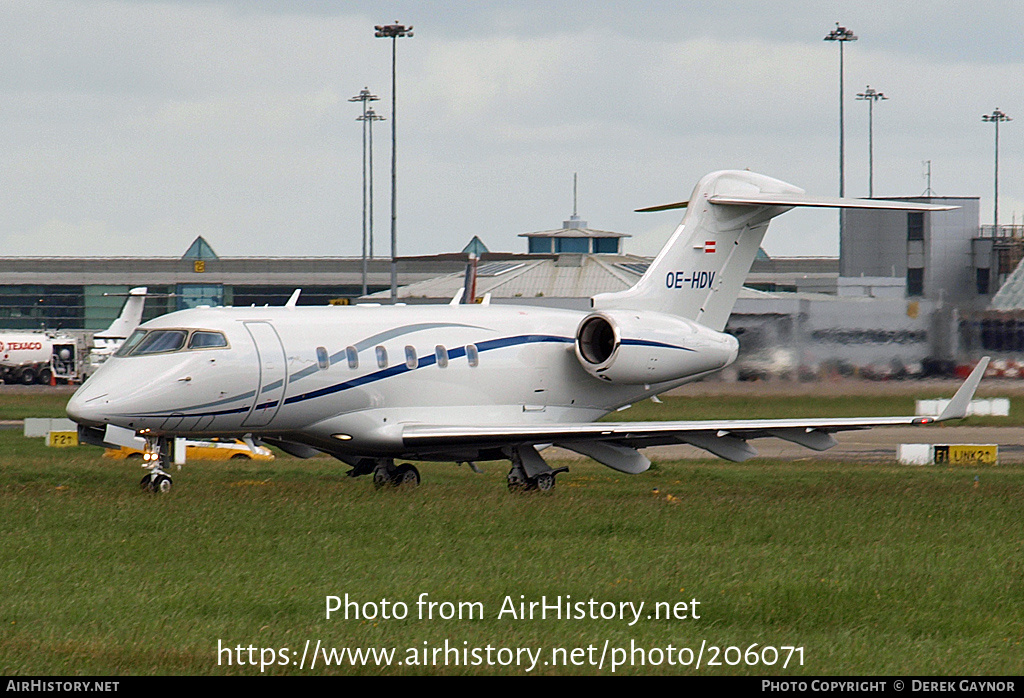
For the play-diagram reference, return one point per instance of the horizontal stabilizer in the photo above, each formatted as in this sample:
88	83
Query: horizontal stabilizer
804	200
822	202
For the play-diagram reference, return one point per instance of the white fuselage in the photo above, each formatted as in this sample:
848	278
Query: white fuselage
352	376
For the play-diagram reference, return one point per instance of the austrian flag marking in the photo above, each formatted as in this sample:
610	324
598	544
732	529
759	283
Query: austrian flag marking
709	247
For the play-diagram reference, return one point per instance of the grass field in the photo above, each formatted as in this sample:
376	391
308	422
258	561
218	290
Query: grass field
871	569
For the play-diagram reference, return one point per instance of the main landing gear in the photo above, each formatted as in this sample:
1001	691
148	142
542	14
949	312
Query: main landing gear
530	471
387	474
157	458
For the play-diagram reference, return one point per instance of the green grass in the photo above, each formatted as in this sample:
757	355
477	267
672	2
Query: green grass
33	405
872	569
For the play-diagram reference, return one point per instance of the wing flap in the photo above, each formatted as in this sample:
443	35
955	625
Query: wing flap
635	434
728	436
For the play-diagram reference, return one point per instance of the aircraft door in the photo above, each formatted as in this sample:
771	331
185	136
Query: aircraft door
272	375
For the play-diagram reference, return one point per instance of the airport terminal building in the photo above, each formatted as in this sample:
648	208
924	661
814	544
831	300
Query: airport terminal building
86	293
908	287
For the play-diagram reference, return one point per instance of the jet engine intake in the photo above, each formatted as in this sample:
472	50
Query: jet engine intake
633	347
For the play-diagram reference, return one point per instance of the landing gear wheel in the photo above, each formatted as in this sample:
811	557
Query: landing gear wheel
517	482
545	482
161	484
381	478
406	475
144	485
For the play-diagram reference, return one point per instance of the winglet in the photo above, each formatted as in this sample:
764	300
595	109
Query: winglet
957	407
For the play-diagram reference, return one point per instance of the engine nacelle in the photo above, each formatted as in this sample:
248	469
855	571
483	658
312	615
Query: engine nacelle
633	347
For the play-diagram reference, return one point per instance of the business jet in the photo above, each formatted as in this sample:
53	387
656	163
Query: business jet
372	385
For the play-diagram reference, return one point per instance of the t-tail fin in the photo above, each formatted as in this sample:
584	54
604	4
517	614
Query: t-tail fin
130	317
699	272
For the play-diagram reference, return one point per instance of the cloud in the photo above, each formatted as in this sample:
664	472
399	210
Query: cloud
233	117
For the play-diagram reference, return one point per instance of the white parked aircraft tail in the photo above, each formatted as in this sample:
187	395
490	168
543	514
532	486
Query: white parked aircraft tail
130	317
699	272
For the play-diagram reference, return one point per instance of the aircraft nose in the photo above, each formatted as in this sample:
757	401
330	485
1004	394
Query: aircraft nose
86	407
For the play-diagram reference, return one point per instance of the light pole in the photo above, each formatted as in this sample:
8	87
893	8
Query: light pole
364	96
393	32
995	117
842	35
872	96
370	117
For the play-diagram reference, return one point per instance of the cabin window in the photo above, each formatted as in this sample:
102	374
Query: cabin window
441	354
382	357
353	357
322	359
203	339
410	358
130	343
160	342
472	355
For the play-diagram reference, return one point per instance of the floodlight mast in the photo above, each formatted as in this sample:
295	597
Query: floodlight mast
364	96
995	117
842	35
872	96
394	32
371	116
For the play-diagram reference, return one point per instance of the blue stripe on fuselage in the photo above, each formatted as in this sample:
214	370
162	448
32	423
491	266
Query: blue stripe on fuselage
430	360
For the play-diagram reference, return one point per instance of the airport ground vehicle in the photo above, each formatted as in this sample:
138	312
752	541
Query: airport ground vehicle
228	449
38	357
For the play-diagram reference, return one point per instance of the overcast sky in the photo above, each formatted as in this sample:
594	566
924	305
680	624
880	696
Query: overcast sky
129	127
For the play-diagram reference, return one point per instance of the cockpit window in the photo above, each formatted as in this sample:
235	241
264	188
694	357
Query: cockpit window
202	339
161	341
130	343
144	342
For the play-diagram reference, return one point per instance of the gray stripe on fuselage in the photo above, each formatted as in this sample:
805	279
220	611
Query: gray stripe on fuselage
373	340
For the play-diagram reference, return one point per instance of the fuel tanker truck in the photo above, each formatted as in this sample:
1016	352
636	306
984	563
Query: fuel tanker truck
35	357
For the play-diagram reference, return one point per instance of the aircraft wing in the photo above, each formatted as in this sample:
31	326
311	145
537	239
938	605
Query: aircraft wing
612	443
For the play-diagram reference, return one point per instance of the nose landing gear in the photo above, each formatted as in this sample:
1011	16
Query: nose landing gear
157	458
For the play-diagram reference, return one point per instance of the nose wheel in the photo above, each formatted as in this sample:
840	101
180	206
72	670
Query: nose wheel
157	483
155	458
